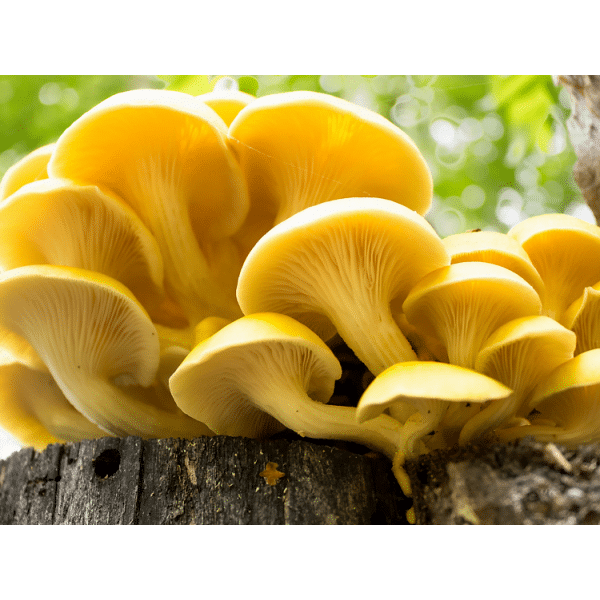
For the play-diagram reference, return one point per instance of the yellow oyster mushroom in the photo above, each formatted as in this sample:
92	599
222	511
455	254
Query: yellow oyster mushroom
520	354
430	388
99	345
227	103
35	411
583	317
495	248
58	222
265	372
463	304
30	168
566	404
298	149
338	266
166	154
565	251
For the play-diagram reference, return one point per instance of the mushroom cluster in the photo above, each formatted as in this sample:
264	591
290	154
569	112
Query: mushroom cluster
178	266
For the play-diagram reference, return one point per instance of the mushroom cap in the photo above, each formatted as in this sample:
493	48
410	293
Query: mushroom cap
523	351
226	103
138	139
464	303
520	354
583	317
55	221
47	303
298	149
359	250
35	411
30	168
420	382
99	345
565	251
496	248
217	382
570	397
166	154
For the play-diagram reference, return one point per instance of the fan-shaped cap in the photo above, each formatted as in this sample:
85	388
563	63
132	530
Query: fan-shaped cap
35	411
523	351
338	266
227	381
30	168
98	343
57	222
420	382
298	149
520	354
464	303
566	253
165	153
583	317
431	388
570	398
496	248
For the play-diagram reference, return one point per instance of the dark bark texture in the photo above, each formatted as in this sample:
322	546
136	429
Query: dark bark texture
524	483
203	481
221	480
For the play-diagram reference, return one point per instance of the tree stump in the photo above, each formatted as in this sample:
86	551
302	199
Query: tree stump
520	483
217	480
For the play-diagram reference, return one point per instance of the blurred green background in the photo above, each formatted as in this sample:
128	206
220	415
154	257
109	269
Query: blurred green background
496	145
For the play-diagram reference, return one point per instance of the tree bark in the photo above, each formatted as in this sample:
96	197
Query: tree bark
584	131
522	483
203	481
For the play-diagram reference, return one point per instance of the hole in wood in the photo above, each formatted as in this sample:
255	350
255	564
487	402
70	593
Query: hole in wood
107	463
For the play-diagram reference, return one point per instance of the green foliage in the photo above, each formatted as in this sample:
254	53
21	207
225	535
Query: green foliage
35	110
496	145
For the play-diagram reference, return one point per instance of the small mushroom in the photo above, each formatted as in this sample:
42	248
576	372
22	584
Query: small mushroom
99	345
566	403
583	317
462	305
227	103
338	266
30	168
35	411
431	388
566	253
298	149
496	248
520	354
166	154
265	372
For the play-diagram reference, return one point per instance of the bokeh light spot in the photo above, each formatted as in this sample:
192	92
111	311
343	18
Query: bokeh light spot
473	197
50	93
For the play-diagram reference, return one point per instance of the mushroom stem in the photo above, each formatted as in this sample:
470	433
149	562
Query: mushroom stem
490	417
542	433
420	424
125	410
313	419
375	338
191	281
